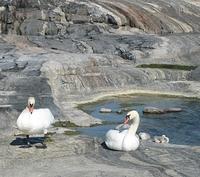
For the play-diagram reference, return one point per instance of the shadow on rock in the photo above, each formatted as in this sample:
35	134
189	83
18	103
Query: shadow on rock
22	142
106	147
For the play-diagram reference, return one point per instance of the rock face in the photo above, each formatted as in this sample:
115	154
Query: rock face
54	16
69	51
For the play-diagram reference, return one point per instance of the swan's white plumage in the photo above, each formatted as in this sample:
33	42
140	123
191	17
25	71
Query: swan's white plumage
114	139
37	122
126	140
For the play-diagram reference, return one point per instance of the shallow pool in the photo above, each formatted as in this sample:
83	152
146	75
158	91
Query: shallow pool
181	127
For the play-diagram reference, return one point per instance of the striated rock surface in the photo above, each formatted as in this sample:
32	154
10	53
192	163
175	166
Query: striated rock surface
70	51
53	17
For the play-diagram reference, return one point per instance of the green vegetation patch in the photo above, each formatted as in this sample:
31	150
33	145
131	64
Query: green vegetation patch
67	124
48	139
105	122
168	66
50	133
71	133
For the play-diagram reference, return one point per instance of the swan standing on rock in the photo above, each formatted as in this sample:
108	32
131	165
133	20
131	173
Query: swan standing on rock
34	121
126	140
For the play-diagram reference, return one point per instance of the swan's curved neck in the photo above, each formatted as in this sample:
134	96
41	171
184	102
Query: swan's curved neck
134	126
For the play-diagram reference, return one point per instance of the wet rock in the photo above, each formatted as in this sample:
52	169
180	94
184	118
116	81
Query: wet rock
168	110
154	110
105	110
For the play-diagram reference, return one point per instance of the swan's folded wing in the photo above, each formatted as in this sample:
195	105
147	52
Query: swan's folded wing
45	115
23	120
114	139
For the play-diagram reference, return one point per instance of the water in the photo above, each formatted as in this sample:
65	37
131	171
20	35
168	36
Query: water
181	127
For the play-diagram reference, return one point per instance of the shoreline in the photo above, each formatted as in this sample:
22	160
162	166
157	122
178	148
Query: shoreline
103	95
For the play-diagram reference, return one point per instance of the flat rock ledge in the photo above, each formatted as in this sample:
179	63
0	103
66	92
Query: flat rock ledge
88	157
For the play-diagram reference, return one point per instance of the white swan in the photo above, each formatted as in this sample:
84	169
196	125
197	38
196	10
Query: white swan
34	121
127	140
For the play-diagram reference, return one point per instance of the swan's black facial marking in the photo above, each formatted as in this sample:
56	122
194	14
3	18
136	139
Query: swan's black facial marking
127	119
31	105
128	116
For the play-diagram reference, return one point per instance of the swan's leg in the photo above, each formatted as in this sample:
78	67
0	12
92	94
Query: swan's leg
28	141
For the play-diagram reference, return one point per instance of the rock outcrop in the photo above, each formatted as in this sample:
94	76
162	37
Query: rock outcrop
66	51
70	51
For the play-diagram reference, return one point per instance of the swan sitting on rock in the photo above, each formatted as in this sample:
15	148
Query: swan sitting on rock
126	140
34	121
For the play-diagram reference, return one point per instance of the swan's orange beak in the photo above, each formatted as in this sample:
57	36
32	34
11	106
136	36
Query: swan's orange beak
126	120
30	108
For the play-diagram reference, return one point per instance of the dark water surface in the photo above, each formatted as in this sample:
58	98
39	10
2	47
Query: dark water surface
181	127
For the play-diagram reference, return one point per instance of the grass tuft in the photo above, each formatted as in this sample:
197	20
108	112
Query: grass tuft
168	66
67	124
48	140
71	133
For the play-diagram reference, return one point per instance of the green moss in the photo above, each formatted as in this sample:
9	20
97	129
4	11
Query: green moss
95	125
71	133
67	124
48	140
105	122
50	133
168	66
